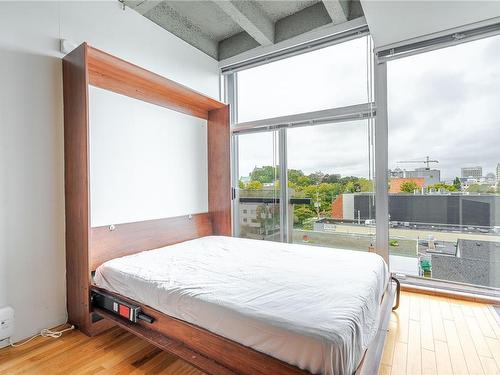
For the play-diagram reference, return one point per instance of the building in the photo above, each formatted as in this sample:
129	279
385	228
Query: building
498	172
472	172
395	183
431	176
474	262
490	178
451	211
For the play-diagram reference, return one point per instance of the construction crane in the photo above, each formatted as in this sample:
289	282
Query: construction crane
427	162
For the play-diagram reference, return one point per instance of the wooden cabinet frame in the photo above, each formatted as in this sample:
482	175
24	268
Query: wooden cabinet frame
88	247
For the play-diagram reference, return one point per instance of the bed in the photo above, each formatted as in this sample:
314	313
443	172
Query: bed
312	307
228	306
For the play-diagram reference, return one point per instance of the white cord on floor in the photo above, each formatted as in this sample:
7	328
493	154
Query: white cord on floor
46	332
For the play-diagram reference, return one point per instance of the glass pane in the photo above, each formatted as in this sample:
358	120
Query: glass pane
330	167
259	210
444	157
331	77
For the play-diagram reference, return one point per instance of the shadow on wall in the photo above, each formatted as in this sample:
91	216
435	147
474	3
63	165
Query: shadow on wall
32	269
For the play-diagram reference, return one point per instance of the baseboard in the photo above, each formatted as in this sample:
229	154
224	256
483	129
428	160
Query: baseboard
449	294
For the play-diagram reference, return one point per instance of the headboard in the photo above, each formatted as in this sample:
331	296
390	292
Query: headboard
87	247
115	241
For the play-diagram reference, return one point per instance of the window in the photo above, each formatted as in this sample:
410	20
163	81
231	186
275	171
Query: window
444	160
325	164
330	77
330	165
258	187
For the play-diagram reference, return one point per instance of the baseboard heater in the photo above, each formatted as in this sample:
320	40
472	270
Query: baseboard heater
119	307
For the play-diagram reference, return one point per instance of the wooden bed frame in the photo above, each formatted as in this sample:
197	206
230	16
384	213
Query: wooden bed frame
87	247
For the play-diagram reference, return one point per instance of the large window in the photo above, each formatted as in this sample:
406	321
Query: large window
444	160
307	181
437	216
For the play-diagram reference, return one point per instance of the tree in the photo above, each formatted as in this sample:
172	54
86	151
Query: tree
304	181
457	184
241	184
301	213
316	177
294	175
254	185
265	174
331	178
480	188
408	186
442	185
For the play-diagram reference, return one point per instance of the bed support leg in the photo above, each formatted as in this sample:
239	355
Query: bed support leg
398	292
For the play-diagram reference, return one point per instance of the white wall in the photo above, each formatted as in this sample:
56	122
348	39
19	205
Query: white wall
396	21
32	260
146	162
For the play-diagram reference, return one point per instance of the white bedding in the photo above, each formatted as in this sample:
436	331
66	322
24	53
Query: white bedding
315	308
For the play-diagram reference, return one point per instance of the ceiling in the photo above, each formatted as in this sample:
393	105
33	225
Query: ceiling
226	28
412	19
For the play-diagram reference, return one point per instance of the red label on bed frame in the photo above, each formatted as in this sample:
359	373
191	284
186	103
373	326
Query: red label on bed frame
124	311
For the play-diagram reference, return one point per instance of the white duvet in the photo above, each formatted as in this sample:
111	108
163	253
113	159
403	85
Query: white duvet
315	308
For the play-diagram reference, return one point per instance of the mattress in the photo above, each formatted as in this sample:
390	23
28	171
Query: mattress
315	308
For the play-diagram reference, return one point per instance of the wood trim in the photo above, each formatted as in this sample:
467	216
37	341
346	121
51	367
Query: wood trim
114	74
450	294
230	354
76	180
219	170
131	238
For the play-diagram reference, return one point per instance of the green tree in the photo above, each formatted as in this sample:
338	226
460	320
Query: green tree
265	174
304	181
442	185
498	187
301	213
480	188
316	177
331	178
254	185
409	187
241	184
457	184
294	175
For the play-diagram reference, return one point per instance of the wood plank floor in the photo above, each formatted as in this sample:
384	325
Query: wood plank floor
436	335
427	335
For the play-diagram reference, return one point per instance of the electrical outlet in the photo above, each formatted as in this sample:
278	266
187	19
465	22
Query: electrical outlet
6	325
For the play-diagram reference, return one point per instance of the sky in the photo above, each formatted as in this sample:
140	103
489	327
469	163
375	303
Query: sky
444	104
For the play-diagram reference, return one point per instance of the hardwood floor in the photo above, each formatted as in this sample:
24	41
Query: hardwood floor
437	335
427	335
113	352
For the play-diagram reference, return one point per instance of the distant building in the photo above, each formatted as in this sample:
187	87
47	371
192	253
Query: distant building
395	183
447	210
498	172
472	172
431	176
490	178
396	173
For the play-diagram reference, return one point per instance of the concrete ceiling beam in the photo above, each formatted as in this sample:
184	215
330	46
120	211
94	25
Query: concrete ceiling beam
181	26
251	18
338	10
142	7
